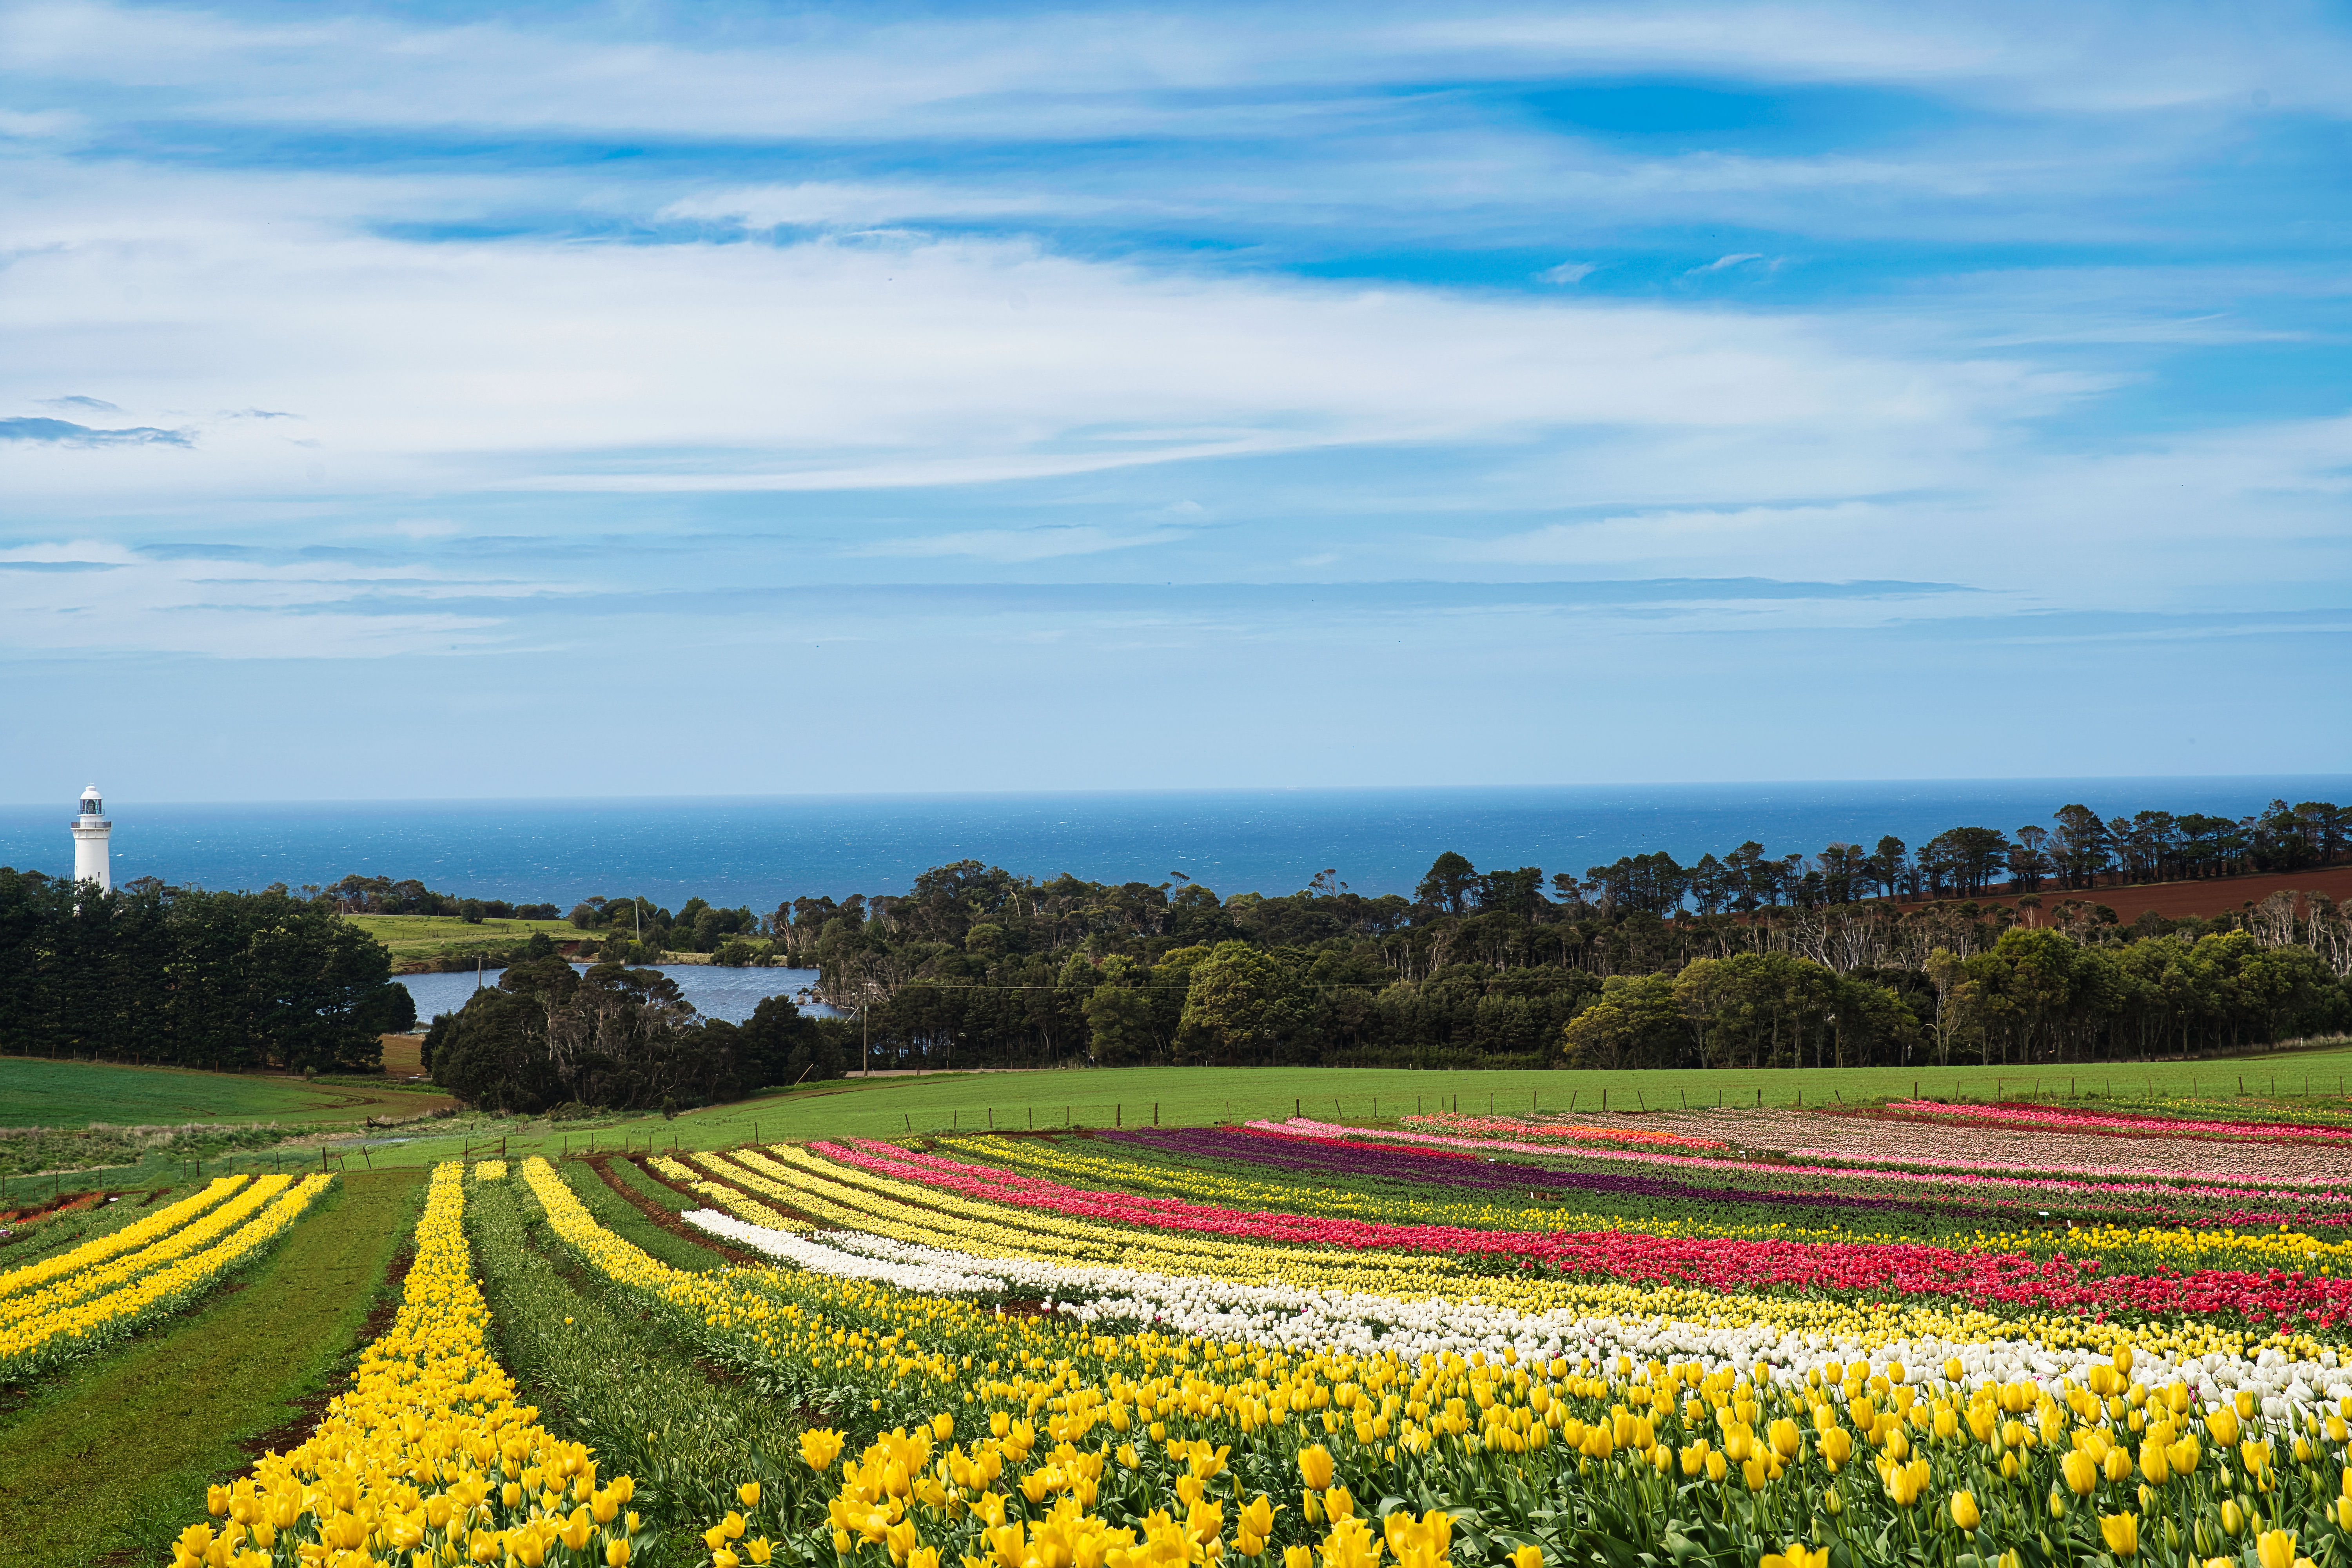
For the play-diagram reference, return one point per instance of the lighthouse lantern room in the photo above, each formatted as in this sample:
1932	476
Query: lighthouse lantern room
90	832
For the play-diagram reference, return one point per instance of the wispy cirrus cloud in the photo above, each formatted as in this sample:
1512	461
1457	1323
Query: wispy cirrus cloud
65	433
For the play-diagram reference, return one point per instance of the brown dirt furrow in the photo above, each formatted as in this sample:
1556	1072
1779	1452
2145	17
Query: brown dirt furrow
668	1220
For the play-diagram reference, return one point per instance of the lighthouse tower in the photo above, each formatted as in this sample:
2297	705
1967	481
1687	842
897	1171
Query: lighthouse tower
90	831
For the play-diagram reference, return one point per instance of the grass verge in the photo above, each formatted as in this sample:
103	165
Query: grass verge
107	1462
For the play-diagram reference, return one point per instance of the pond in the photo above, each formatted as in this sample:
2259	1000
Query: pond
715	992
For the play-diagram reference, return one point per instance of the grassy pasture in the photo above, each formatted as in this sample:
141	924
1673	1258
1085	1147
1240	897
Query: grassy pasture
430	936
58	1093
109	1461
40	1093
884	1107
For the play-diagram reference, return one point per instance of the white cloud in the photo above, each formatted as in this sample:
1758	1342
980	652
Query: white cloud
80	596
1721	262
1568	272
1011	545
850	364
820	204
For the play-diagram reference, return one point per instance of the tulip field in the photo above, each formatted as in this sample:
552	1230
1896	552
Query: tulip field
1925	1333
77	1301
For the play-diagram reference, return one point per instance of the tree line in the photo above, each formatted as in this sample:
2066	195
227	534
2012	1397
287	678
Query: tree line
358	895
2078	852
975	966
181	977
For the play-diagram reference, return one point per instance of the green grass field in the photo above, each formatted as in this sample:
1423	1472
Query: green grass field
108	1462
39	1092
430	936
879	1108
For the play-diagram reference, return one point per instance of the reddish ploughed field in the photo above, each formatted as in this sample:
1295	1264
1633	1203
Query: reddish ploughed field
2219	895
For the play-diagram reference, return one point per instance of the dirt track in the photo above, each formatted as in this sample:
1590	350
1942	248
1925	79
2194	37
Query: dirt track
2219	896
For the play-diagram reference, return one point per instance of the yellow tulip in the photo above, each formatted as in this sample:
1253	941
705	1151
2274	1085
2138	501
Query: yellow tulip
748	1494
1314	1464
1351	1544
616	1554
820	1445
2081	1472
2275	1549
2122	1533
1796	1554
1965	1513
2221	1425
1527	1557
2233	1521
1297	1557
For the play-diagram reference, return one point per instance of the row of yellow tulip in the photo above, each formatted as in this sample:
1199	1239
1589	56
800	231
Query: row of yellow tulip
427	1459
1661	1450
193	1237
113	1244
167	1276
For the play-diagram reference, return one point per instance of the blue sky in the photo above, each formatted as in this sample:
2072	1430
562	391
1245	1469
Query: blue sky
444	401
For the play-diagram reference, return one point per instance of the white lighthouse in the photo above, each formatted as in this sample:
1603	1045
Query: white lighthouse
90	831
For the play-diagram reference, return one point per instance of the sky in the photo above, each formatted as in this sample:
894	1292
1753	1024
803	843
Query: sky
444	401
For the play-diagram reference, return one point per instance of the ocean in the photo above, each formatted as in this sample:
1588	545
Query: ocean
762	852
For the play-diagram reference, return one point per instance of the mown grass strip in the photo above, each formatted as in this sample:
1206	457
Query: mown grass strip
605	1372
649	1186
104	1464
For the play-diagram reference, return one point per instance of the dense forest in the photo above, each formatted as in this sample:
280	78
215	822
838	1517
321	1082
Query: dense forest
185	978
